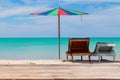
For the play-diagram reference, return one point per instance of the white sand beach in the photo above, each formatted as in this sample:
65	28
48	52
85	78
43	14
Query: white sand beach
30	62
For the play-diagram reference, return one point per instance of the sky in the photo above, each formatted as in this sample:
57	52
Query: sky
103	19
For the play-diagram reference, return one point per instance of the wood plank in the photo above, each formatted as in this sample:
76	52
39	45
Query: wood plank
74	71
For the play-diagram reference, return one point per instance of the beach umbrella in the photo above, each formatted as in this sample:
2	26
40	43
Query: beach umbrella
58	12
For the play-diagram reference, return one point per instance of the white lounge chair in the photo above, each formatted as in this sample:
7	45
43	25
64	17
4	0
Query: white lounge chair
104	49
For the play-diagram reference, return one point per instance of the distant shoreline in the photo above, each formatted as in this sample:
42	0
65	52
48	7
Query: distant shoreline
60	37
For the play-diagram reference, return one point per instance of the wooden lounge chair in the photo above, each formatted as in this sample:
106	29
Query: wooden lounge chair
104	49
78	47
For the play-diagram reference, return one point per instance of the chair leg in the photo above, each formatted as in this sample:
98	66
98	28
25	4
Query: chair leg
114	58
99	58
72	58
81	57
89	58
67	57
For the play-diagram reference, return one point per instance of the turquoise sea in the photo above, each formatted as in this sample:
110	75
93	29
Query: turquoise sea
42	48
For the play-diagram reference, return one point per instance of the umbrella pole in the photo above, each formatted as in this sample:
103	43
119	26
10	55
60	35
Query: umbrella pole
59	37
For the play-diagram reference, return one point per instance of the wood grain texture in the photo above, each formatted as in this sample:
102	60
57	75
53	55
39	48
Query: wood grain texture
65	71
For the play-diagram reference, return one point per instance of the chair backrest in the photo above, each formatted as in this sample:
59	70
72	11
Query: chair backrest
104	47
78	45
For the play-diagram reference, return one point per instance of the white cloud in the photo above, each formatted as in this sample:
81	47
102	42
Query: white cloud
99	24
32	29
10	8
73	1
28	1
103	20
102	24
111	11
2	24
7	4
22	10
